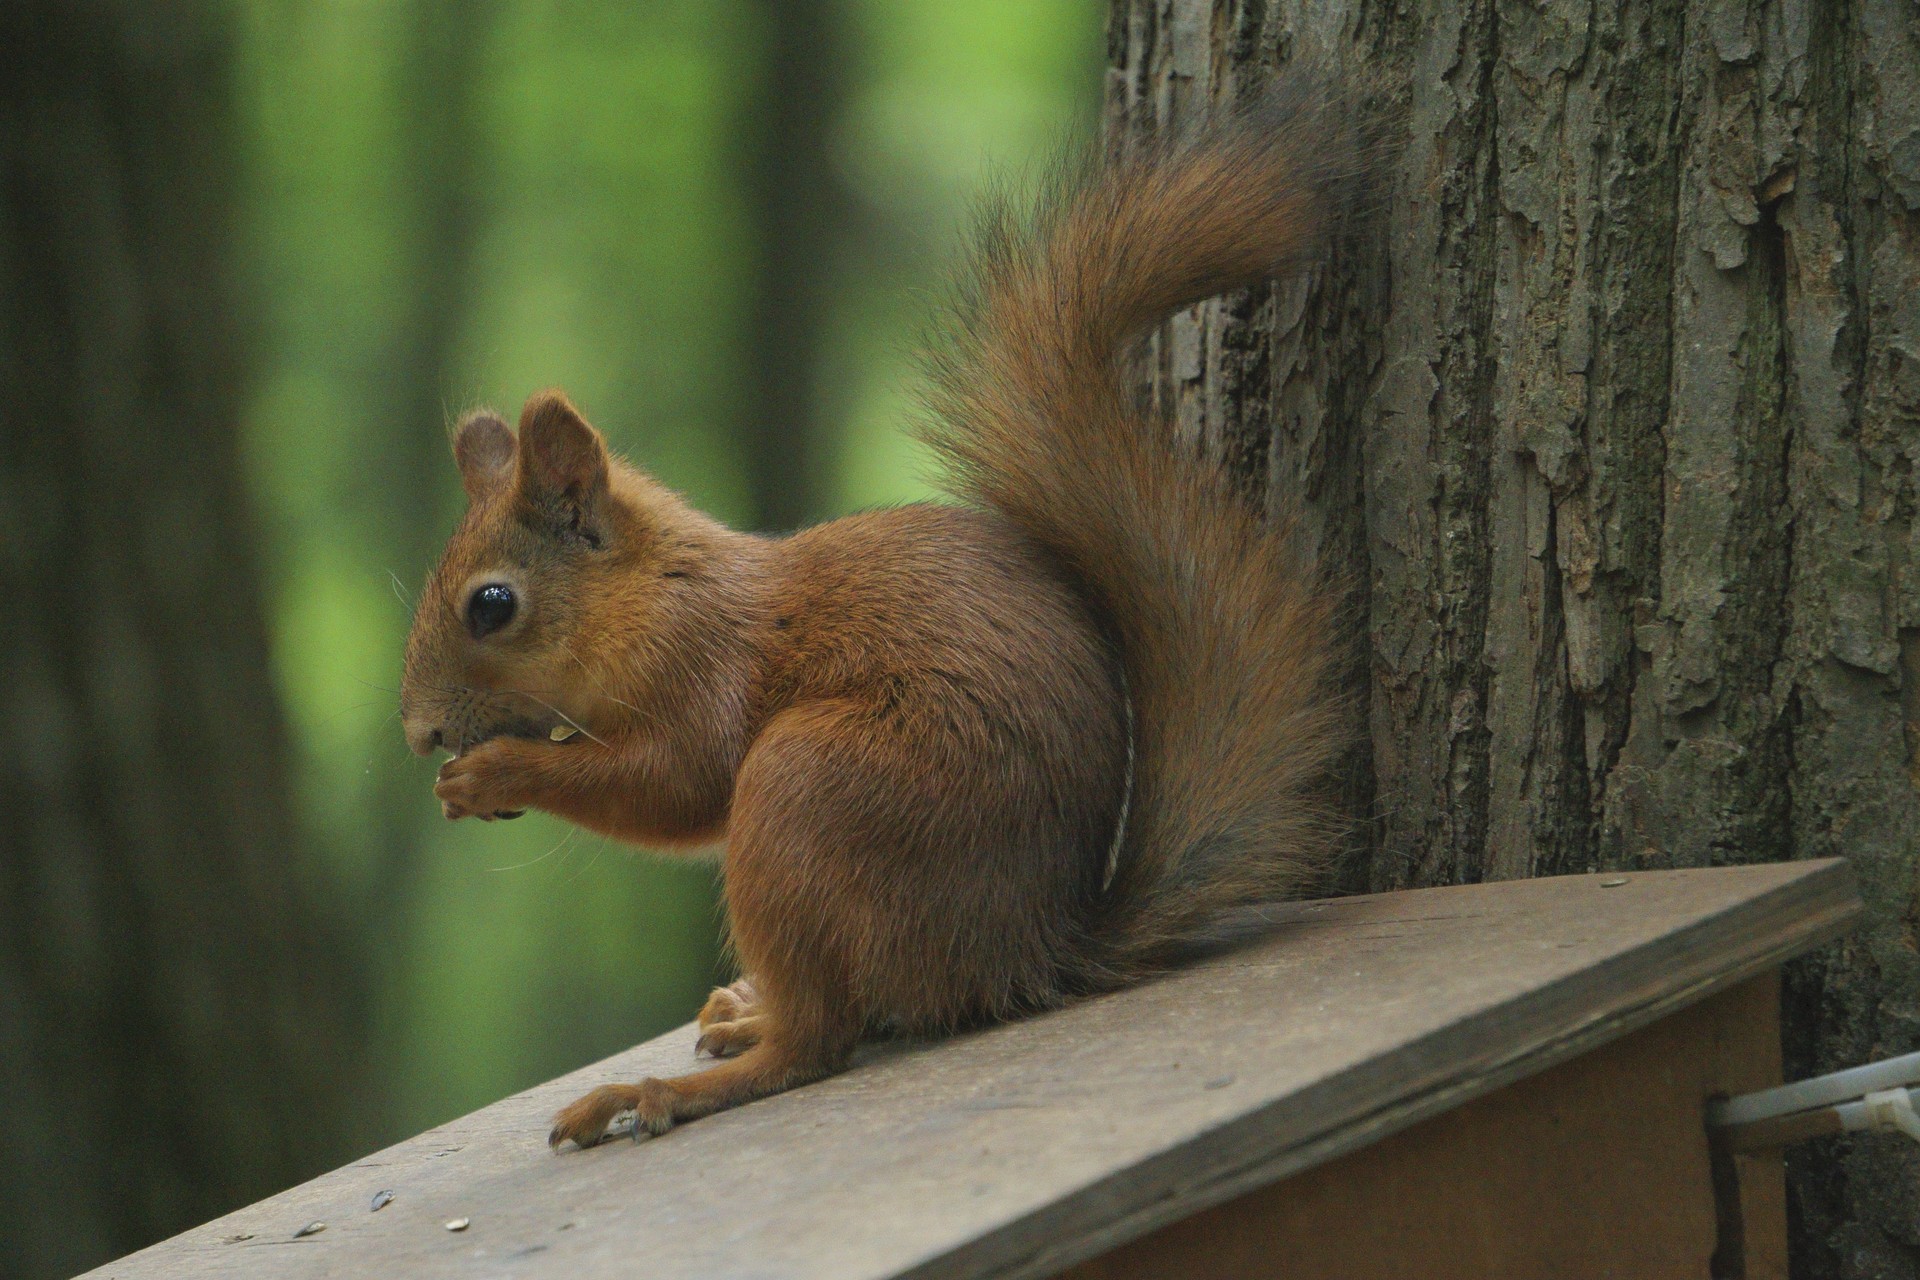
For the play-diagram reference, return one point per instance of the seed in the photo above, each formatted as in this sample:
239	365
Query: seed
310	1229
561	732
457	1224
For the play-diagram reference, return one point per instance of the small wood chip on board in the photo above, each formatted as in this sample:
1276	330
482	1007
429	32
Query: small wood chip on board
458	1224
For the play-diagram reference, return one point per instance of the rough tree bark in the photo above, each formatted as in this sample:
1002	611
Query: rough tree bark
176	1031
1610	414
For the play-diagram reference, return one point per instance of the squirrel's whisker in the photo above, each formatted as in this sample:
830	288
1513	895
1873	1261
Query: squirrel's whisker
399	591
564	841
598	850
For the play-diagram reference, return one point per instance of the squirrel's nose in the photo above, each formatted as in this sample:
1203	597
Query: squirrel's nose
424	738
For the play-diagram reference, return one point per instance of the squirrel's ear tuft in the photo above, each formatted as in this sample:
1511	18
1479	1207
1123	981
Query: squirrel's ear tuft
483	448
563	463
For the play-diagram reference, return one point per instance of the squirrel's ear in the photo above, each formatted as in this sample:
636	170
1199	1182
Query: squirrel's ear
483	448
563	463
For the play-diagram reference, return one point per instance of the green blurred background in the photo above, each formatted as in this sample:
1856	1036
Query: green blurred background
719	228
603	239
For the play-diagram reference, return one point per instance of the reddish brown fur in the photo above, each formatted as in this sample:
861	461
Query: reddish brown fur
911	726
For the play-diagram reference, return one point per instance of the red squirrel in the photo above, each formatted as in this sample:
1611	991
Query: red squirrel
968	761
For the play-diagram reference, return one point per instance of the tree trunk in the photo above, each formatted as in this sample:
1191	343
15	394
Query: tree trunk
1609	413
443	75
798	209
175	1029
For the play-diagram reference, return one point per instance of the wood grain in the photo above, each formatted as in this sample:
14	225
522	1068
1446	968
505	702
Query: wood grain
1597	1168
1023	1149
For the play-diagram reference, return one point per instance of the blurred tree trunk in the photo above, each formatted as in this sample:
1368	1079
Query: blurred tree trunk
442	78
798	206
177	1035
1612	421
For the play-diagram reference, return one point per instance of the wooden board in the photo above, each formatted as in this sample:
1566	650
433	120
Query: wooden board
1593	1169
1022	1149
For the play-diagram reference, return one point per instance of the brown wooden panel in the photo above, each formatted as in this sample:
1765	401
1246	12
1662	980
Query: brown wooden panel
1596	1168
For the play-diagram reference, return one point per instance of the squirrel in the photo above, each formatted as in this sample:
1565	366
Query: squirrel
968	761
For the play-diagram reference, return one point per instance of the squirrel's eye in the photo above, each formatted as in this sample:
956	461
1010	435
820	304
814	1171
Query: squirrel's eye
490	609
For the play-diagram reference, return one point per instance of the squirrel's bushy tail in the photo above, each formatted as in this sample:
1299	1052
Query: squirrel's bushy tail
1225	636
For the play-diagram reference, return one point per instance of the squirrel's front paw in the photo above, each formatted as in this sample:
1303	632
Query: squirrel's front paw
477	784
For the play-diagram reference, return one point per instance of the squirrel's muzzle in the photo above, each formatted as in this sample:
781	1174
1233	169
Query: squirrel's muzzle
424	738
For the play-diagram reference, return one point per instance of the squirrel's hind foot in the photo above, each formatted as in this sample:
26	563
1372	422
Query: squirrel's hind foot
730	1003
724	1039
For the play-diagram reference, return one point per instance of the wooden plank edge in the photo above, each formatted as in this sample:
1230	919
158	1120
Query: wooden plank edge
1806	912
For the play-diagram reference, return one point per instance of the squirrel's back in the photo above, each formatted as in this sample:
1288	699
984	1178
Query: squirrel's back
1225	633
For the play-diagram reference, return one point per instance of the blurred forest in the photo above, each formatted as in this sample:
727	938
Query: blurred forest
253	258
